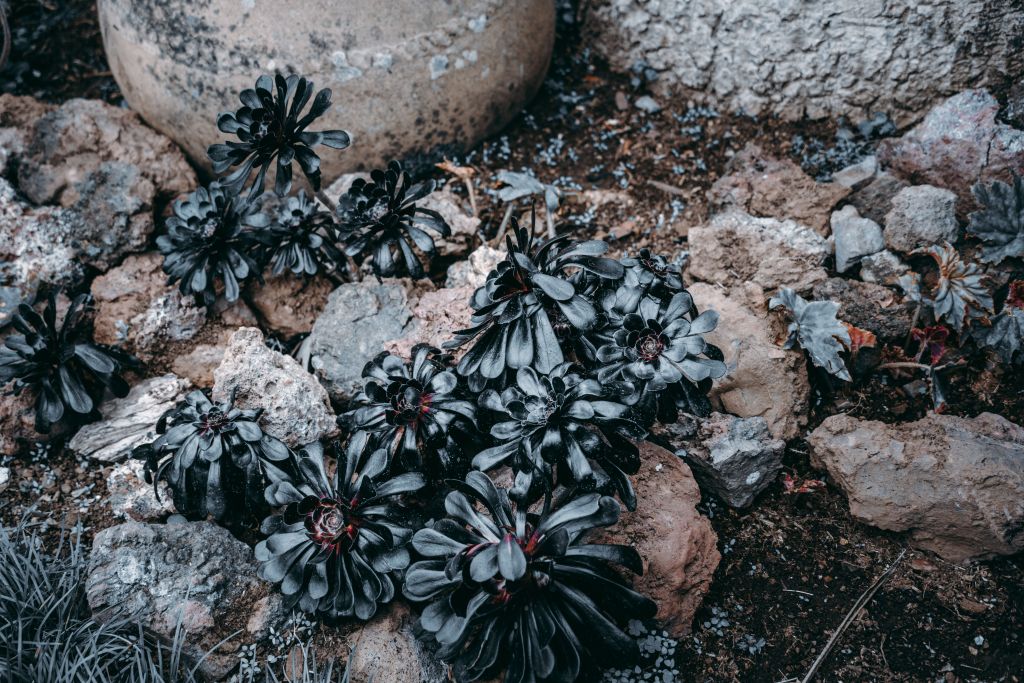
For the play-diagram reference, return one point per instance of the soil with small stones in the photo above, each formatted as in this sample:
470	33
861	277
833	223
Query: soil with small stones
792	566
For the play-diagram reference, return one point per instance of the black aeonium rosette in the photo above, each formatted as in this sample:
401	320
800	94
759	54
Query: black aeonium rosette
661	351
647	275
211	237
416	412
380	219
270	127
298	237
515	311
523	593
562	428
339	539
213	457
66	370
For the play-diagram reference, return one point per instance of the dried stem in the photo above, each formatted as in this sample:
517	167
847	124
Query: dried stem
5	28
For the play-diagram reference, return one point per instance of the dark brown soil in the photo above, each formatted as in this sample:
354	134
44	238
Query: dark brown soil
792	566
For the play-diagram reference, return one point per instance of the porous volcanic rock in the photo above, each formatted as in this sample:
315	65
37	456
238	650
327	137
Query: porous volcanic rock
868	306
678	545
131	498
473	271
954	484
288	304
855	237
387	649
921	216
439	313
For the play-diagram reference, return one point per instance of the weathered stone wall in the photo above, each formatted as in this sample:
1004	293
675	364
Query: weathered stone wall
816	57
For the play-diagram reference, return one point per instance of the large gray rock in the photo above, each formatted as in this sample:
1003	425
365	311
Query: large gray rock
195	574
959	143
358	319
921	216
131	498
883	268
130	421
407	75
295	406
800	59
855	237
387	649
955	485
736	458
735	248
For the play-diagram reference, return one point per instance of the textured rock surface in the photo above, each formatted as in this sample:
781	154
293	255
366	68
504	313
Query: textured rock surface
678	545
958	143
763	379
130	421
288	304
5	478
199	364
463	226
855	237
955	484
874	200
797	59
131	498
868	306
439	314
736	458
358	319
883	268
920	217
17	423
295	407
17	116
473	271
193	572
387	649
775	188
858	175
407	76
735	248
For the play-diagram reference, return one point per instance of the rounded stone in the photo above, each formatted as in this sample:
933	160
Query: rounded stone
407	75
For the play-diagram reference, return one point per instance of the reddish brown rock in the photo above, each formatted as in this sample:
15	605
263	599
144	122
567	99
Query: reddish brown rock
955	485
775	188
17	422
288	304
440	313
198	364
677	544
387	649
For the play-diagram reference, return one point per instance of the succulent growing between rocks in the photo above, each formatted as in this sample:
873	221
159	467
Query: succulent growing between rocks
340	538
298	237
66	370
817	330
270	127
1006	336
214	458
961	295
1000	223
522	593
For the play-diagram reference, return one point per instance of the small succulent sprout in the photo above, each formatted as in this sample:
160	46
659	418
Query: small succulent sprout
816	329
271	127
335	546
417	412
61	364
515	310
999	224
380	219
523	594
520	185
931	342
961	295
1006	336
562	428
210	238
214	458
298	236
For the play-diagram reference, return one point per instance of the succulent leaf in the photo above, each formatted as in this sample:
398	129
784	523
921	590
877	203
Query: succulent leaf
961	295
816	329
1000	223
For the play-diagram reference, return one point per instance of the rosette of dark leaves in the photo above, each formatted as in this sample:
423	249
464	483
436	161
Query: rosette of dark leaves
213	457
662	352
515	311
339	539
380	218
270	127
522	593
416	412
299	237
999	224
562	428
66	370
1006	336
210	237
961	295
647	276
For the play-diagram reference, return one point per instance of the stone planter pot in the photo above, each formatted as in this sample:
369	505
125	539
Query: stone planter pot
407	75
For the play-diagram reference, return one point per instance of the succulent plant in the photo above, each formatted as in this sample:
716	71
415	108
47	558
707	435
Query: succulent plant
416	412
270	127
961	295
1006	336
816	329
647	276
211	237
380	218
1000	223
522	593
335	546
662	352
214	458
298	237
66	370
562	428
514	311
519	185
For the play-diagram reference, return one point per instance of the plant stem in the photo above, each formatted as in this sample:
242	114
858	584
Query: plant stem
468	182
501	228
326	201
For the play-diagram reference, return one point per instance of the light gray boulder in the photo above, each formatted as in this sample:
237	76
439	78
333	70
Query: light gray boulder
855	237
921	216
